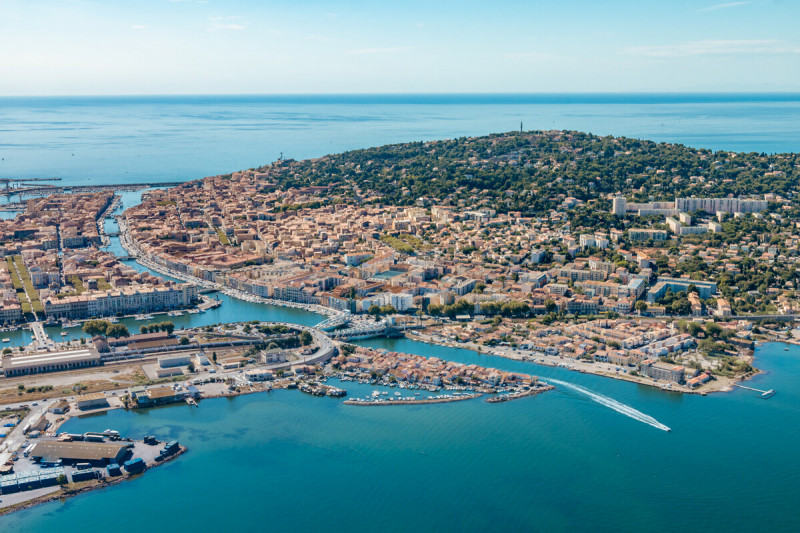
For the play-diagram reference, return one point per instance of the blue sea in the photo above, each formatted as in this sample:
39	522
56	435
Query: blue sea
100	140
560	461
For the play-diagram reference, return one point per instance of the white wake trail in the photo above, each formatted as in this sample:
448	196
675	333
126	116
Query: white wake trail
611	403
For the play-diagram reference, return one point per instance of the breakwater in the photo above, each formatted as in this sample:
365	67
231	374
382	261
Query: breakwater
413	401
520	394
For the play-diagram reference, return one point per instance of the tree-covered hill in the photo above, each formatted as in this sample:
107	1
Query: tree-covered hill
535	171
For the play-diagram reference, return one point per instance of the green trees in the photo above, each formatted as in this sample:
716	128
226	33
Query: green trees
155	327
305	338
694	329
713	329
184	341
375	310
640	306
104	327
117	331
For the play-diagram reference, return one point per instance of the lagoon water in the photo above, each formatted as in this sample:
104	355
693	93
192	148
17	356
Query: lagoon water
284	460
557	461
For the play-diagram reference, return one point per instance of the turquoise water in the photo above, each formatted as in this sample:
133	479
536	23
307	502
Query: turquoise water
556	461
18	337
100	140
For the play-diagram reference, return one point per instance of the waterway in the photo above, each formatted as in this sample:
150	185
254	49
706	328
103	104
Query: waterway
557	461
563	460
231	310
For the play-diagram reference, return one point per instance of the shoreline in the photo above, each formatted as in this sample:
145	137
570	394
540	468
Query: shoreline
65	493
727	384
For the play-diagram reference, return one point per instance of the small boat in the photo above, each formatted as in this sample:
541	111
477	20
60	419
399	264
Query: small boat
64	333
6	340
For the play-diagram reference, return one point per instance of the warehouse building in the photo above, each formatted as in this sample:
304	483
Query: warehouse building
49	362
96	453
93	400
169	361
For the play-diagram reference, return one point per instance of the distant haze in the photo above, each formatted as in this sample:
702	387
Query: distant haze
53	47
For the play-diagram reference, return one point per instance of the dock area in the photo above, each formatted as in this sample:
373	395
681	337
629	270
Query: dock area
764	393
445	398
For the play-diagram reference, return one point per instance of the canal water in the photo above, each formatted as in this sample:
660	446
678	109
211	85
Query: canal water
565	459
556	461
231	310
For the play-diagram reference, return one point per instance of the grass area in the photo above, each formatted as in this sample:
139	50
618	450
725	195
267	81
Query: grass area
77	284
13	394
397	244
103	285
406	243
21	280
222	237
16	281
13	413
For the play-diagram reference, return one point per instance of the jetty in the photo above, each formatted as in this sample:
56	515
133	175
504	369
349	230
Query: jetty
764	393
520	394
412	401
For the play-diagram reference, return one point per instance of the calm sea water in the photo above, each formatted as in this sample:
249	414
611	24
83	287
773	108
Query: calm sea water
558	461
93	140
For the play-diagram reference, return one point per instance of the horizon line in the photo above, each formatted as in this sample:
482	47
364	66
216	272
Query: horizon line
412	94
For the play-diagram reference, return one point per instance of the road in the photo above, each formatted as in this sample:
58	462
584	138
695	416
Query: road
42	340
16	437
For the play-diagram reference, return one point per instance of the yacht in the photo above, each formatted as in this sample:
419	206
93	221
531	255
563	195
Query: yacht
6	340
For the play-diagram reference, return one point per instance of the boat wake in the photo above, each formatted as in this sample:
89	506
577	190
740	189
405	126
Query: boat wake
611	403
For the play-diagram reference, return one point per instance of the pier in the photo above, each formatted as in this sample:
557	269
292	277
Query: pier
764	393
57	189
412	401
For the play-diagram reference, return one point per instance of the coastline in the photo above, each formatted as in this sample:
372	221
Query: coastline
723	384
63	493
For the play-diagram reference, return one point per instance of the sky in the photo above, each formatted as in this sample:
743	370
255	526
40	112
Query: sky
82	47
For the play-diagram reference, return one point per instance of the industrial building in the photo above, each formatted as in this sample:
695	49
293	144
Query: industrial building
169	361
34	479
96	453
92	400
49	362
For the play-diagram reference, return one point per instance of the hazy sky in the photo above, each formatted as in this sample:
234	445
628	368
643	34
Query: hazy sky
245	46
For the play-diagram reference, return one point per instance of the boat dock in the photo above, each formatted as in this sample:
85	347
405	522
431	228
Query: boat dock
764	393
